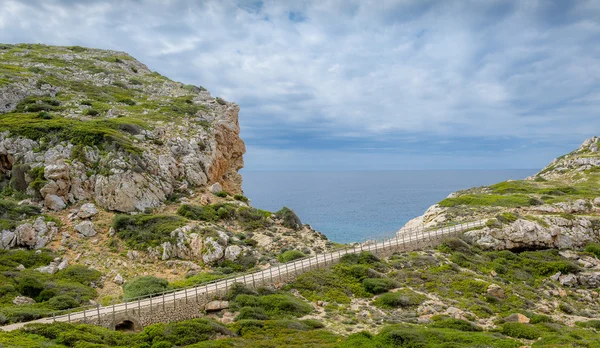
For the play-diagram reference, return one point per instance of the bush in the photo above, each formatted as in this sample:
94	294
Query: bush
184	333
143	286
404	298
539	318
144	230
519	330
276	304
29	286
252	313
290	219
241	198
290	255
222	194
378	285
590	323
80	274
454	324
593	248
63	302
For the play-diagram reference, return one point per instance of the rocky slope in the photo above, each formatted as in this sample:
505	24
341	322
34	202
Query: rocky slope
556	208
83	124
115	167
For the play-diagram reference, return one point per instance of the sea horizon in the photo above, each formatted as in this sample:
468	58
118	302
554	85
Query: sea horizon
351	205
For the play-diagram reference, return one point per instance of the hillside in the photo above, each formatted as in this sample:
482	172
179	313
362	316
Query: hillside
117	182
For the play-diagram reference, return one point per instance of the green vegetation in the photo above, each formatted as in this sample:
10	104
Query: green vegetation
11	213
403	298
290	219
222	194
510	201
593	248
144	230
142	286
241	198
68	288
102	133
248	218
290	255
277	305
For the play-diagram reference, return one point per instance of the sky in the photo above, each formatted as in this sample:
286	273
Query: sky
362	85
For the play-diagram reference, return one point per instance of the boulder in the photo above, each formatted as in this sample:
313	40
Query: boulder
20	267
215	188
8	239
22	300
86	229
50	269
597	201
495	291
118	279
232	252
213	306
87	211
63	264
26	235
517	318
213	251
568	280
53	202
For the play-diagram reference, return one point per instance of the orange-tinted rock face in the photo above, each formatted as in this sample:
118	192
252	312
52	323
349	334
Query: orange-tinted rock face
230	148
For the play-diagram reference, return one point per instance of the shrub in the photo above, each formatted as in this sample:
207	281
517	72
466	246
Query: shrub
241	198
277	304
290	219
80	274
519	330
590	323
196	212
143	230
63	302
539	318
378	285
143	286
185	332
222	194
252	313
29	286
290	255
593	248
91	112
403	298
454	324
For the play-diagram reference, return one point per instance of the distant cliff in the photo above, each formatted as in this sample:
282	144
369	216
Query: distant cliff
86	124
558	207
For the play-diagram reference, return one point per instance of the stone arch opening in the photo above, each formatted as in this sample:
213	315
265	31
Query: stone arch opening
125	325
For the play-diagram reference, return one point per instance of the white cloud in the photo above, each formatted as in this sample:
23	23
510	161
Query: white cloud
524	69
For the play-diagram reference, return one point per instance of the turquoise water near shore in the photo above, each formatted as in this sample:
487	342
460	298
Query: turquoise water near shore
349	206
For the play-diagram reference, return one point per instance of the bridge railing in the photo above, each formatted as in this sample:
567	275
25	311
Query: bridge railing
404	239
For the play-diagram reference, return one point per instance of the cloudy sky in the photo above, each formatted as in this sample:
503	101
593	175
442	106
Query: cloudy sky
372	84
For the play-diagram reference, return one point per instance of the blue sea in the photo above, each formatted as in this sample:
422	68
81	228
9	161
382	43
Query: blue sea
349	206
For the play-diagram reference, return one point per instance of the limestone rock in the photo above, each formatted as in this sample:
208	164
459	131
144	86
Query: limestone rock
232	252
63	264
118	279
87	211
213	250
215	188
568	280
517	318
20	267
50	269
54	202
216	306
86	229
495	291
22	300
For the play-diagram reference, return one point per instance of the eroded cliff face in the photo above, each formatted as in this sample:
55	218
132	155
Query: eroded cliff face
84	124
559	207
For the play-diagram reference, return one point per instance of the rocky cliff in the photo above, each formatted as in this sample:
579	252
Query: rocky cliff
558	207
80	124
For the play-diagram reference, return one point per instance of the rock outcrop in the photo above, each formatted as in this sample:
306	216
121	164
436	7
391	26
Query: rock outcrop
559	207
175	137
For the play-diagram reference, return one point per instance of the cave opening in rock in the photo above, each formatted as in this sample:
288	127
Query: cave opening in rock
125	325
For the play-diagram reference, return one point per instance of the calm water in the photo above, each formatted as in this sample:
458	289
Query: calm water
348	206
